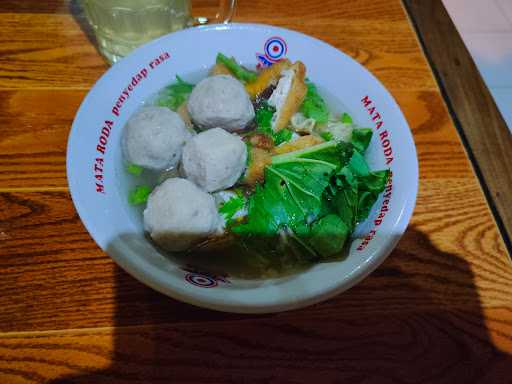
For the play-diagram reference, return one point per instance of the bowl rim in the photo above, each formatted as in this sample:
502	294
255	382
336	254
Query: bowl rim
155	278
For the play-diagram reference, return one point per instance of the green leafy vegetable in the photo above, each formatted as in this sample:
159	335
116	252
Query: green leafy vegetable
263	118
236	69
346	118
229	208
134	169
328	235
375	181
285	200
357	165
327	136
337	153
361	138
353	201
313	198
344	197
370	187
314	105
139	195
293	189
282	136
175	94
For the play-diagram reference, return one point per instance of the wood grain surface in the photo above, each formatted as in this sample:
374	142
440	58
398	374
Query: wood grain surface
439	310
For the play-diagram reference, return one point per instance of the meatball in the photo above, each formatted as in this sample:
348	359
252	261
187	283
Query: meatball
214	159
220	101
154	138
179	214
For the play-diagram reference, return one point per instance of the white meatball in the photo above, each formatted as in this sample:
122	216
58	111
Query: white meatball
154	138
220	101
214	159
179	214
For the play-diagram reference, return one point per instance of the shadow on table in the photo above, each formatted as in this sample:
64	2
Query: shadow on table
369	334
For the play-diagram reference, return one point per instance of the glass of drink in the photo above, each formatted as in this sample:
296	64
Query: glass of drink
122	25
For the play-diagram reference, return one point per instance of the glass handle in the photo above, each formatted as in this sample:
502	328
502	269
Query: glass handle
224	14
226	11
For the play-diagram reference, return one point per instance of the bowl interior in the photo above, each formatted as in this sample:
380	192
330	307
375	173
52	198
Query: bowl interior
99	183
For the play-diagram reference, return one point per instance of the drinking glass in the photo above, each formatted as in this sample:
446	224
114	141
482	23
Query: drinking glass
122	25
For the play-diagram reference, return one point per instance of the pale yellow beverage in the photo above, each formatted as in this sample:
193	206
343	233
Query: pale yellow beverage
122	25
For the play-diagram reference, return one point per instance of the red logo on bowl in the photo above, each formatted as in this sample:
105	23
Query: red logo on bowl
203	279
275	49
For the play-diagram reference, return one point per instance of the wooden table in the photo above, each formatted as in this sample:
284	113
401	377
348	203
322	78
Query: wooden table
439	310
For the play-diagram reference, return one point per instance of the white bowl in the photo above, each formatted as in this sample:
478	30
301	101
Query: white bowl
99	184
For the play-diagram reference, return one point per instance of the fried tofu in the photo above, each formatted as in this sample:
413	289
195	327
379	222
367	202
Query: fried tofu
262	141
259	159
298	144
288	97
185	116
267	77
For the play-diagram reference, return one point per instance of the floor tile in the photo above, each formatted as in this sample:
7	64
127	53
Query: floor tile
492	52
506	7
478	15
